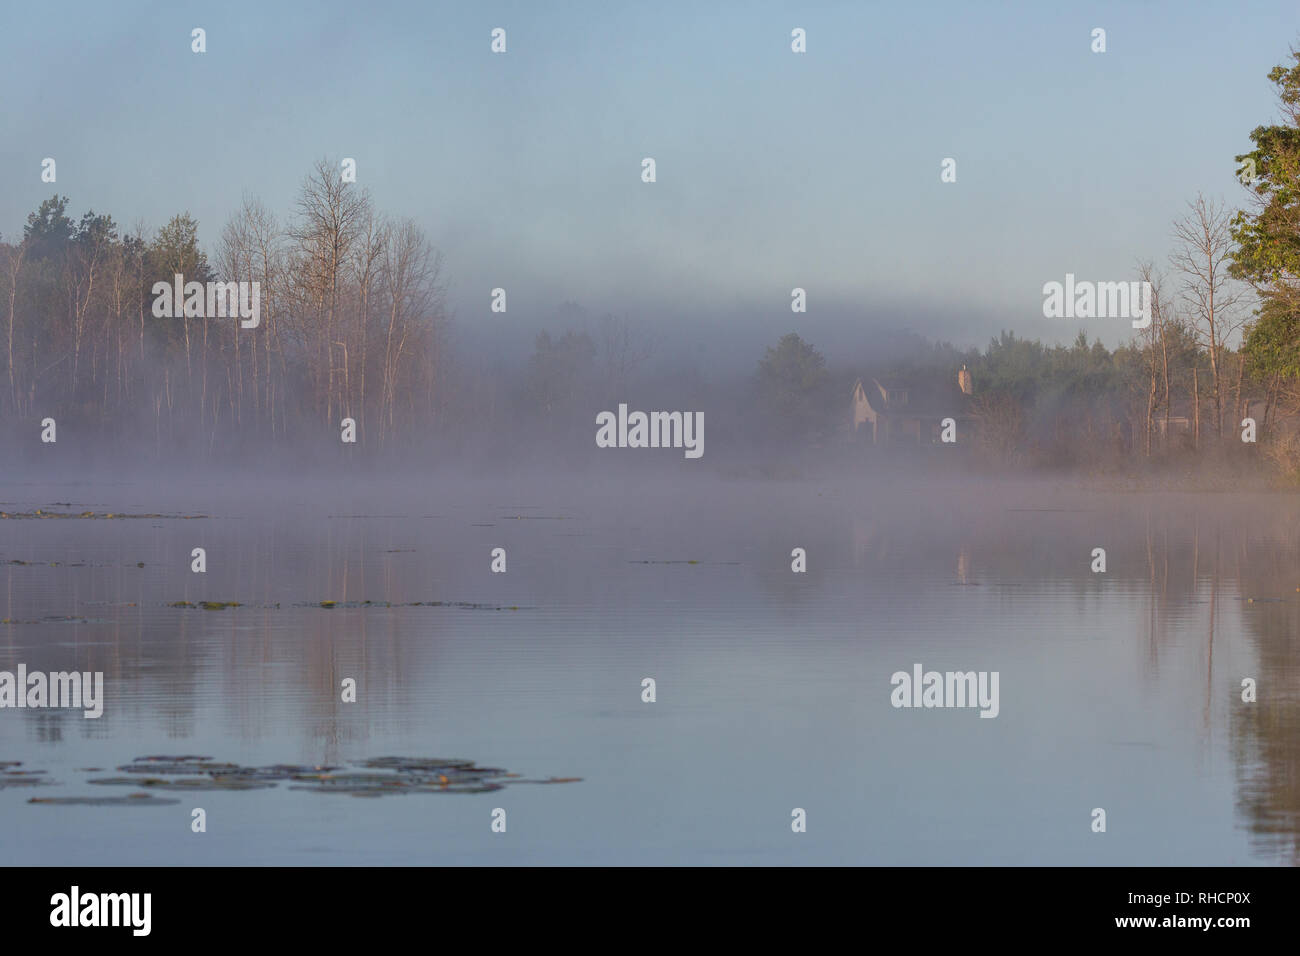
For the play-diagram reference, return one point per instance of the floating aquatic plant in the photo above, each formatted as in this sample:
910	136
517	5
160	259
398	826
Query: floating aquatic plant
40	513
22	778
211	770
216	782
468	605
56	619
379	776
375	784
416	763
131	800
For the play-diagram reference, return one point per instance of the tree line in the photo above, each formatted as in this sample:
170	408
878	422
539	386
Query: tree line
352	321
354	324
1223	343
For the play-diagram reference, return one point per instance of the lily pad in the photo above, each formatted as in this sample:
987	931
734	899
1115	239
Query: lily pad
23	778
456	787
200	773
131	800
186	783
180	768
280	771
431	764
172	759
353	779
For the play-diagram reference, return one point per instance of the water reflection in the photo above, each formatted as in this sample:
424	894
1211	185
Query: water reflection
1123	682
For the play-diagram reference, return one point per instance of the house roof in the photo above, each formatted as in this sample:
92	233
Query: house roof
926	397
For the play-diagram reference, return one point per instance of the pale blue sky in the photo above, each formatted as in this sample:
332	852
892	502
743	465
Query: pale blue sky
775	170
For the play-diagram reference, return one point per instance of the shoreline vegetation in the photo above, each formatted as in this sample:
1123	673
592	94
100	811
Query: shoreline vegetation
354	363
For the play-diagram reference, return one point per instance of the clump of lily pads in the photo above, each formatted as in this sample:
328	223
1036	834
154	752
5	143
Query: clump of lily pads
330	605
467	605
9	777
55	619
416	775
130	800
379	776
41	513
216	782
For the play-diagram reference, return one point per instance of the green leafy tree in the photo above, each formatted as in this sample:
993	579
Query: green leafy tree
49	229
1268	235
1272	343
175	249
1011	366
792	385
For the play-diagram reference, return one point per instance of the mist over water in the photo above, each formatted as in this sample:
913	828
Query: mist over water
701	435
1119	690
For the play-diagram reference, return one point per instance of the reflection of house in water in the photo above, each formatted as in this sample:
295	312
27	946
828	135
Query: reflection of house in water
863	536
912	412
872	542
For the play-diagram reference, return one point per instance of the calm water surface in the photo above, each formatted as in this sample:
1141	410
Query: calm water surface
1119	690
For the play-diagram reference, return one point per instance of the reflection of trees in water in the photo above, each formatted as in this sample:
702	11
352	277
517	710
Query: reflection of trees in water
298	657
1195	569
1266	734
256	665
1188	559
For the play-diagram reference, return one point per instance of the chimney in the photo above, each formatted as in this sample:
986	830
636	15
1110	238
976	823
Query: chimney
963	380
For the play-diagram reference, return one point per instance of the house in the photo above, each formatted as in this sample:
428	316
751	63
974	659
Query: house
1178	424
909	411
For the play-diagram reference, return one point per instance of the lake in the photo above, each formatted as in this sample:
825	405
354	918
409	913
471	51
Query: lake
1118	690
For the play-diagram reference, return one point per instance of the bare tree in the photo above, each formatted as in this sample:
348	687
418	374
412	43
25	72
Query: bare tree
1157	338
265	239
13	269
90	253
372	235
411	269
137	244
76	337
331	212
1202	256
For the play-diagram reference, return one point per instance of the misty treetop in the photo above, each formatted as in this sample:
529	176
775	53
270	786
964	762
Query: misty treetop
352	320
